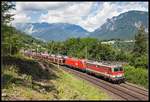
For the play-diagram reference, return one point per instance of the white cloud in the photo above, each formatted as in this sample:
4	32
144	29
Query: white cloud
72	14
79	13
96	21
109	10
40	6
21	18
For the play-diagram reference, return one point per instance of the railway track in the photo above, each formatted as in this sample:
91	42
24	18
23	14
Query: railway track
135	89
125	91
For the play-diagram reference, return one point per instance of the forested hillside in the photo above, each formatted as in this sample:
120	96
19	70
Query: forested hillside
14	40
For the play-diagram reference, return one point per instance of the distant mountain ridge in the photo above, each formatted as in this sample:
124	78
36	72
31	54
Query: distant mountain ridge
53	31
123	26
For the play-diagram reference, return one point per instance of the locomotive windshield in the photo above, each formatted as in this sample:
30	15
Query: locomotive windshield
117	69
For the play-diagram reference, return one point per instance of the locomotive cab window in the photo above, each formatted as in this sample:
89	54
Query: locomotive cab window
117	69
121	69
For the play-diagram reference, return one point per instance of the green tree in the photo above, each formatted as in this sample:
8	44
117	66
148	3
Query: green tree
6	17
140	51
141	41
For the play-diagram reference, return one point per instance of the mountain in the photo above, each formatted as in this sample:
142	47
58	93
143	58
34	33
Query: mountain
52	31
123	26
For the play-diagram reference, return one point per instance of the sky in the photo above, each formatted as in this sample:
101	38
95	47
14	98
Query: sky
89	15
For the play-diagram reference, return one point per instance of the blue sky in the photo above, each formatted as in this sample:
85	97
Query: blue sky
89	15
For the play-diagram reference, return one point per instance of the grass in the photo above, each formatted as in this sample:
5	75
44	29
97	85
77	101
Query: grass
74	88
137	76
25	79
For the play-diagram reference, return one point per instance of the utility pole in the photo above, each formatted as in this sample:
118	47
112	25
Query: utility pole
10	39
86	53
58	59
36	50
52	48
86	57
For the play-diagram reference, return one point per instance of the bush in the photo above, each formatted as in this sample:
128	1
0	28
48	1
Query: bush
140	61
137	76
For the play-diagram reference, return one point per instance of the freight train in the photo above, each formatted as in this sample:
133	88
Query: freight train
113	73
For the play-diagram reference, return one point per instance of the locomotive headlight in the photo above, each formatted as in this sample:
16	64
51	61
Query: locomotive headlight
113	76
119	75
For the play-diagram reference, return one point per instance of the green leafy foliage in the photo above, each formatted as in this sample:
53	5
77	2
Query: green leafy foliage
137	76
141	61
141	41
13	41
140	51
89	48
6	16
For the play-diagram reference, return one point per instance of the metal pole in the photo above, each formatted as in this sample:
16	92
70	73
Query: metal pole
58	59
58	63
10	40
52	48
86	59
86	53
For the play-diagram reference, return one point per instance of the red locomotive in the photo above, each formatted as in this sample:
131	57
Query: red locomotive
113	73
75	63
110	72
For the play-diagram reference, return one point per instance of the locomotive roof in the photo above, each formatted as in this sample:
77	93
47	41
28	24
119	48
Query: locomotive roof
76	58
45	54
102	64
